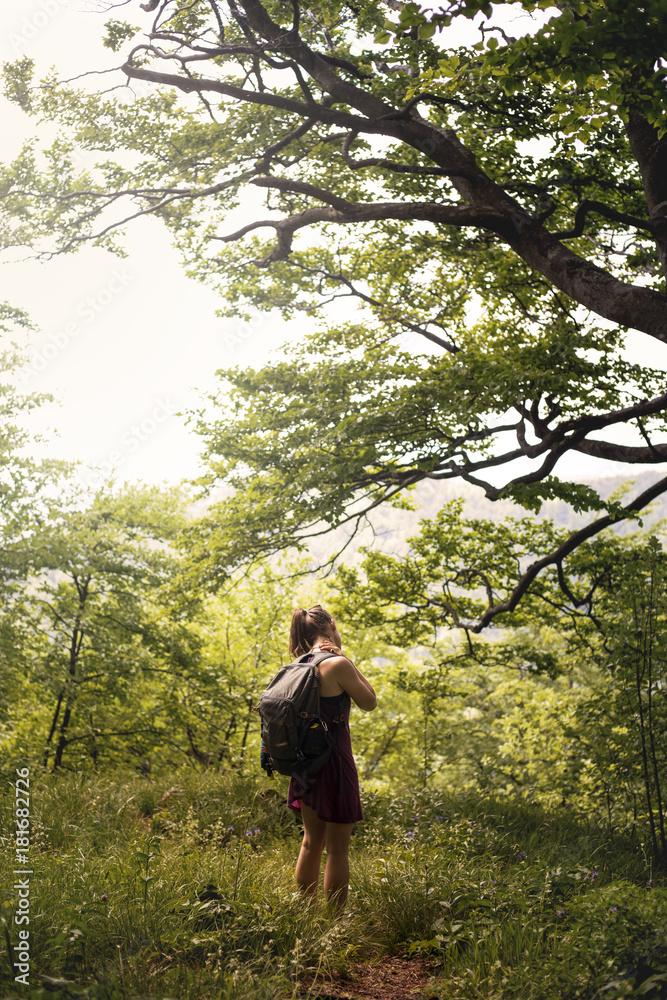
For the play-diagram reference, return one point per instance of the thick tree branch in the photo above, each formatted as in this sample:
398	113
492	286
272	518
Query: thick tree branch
318	112
597	421
398	168
290	186
628	305
319	68
584	282
623	453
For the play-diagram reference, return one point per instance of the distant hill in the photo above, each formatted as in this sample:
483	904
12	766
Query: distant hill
391	528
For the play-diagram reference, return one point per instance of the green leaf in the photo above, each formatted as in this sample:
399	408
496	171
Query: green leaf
117	33
427	30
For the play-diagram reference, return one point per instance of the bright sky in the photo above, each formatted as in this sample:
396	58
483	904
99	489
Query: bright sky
125	344
122	344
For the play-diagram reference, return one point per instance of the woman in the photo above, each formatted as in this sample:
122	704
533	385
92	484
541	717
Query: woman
332	806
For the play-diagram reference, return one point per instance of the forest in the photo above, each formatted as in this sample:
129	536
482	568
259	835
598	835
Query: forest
465	205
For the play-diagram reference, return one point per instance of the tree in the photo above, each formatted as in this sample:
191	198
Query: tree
28	486
500	205
29	489
97	635
632	613
244	641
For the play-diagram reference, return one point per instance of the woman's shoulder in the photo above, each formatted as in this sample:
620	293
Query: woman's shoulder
330	672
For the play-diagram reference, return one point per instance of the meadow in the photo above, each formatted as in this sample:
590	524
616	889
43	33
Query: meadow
181	885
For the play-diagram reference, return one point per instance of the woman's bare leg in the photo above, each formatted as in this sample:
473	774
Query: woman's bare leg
337	868
308	865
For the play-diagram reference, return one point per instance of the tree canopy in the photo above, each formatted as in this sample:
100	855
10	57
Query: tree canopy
469	199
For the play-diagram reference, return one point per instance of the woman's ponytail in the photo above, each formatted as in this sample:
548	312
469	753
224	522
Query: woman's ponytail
305	628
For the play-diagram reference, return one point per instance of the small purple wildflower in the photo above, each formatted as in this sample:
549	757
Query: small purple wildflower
650	884
104	897
257	830
594	874
438	817
230	827
614	909
482	883
521	855
560	913
248	833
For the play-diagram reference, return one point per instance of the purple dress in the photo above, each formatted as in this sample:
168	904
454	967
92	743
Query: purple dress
333	796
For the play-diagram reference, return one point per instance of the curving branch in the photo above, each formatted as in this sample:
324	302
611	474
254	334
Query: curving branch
401	321
570	435
347	212
656	450
624	453
195	85
632	306
271	151
588	206
557	557
346	104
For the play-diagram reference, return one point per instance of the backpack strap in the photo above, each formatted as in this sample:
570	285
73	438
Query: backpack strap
315	658
321	653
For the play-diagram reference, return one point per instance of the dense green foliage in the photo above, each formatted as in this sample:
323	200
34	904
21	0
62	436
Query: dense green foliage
564	710
512	834
483	183
95	632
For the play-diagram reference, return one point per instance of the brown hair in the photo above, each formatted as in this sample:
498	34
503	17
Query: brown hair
305	628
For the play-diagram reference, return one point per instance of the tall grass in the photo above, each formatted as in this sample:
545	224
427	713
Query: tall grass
184	888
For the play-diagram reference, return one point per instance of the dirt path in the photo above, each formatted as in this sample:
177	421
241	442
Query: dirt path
391	978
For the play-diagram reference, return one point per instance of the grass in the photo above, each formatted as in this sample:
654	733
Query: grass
183	887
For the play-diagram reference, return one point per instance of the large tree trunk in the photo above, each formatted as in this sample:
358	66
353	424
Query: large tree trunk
650	151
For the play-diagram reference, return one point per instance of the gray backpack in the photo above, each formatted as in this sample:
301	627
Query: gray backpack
295	738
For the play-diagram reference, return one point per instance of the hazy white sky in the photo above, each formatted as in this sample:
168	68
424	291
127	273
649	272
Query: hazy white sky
124	344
